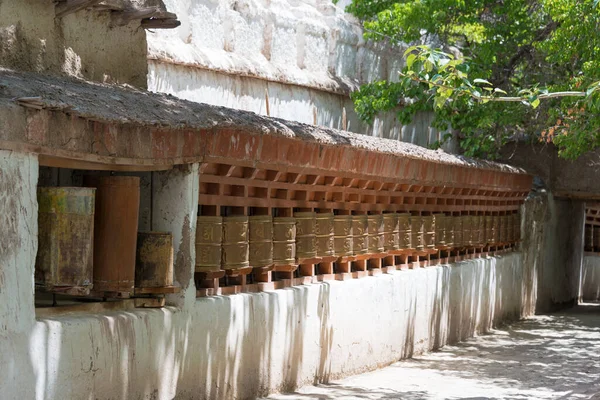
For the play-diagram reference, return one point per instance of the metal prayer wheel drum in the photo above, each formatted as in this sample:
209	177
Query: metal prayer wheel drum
476	231
154	260
324	234
589	238
457	223
284	241
261	240
375	233
429	231
440	229
115	231
65	237
495	229
516	225
418	232
209	238
449	230
342	235
404	232
306	241
489	229
467	238
391	232
360	238
236	249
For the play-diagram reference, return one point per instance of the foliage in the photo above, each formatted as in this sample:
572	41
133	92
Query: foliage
544	53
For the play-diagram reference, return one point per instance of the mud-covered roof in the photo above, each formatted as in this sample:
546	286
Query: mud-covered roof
127	105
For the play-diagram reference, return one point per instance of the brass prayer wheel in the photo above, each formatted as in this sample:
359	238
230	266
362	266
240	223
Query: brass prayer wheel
375	230
209	237
429	231
405	232
476	230
306	241
449	230
589	238
236	249
324	234
418	233
495	229
440	229
457	223
284	241
489	229
516	217
342	230
154	260
261	240
360	242
391	232
467	229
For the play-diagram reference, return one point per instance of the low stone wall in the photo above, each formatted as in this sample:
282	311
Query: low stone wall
246	345
590	283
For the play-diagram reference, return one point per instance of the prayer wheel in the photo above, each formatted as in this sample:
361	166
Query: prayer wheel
467	229
516	225
589	238
502	229
496	229
261	240
236	248
489	229
440	229
65	237
284	241
429	231
375	230
154	260
418	233
457	223
405	232
360	239
509	228
477	230
449	230
391	232
115	231
209	237
306	241
324	234
343	232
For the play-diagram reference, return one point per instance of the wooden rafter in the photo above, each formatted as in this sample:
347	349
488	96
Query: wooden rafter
66	7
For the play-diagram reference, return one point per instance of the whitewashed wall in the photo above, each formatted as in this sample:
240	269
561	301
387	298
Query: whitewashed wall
307	54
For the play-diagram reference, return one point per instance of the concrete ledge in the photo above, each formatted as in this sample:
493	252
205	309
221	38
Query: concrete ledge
248	345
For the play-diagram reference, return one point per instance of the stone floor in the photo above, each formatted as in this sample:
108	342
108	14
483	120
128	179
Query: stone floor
546	357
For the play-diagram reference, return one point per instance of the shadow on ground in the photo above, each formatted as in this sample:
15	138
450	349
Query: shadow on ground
545	357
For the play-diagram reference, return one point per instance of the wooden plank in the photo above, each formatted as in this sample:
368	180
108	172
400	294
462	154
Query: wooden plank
66	7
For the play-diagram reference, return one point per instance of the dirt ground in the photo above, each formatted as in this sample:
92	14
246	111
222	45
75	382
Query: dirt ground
545	357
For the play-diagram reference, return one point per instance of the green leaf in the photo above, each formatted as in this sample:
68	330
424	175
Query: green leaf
498	90
483	81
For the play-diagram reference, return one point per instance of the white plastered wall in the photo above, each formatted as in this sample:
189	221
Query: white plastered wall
308	55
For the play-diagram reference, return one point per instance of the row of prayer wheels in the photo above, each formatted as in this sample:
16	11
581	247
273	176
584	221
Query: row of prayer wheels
592	238
237	242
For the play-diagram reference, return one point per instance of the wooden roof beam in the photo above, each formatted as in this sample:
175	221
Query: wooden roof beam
66	7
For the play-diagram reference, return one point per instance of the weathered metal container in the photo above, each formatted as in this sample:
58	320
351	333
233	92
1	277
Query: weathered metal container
480	223
449	231
391	232
261	240
284	241
375	233
418	232
115	231
589	238
429	231
404	232
440	229
236	248
489	229
65	238
496	229
306	240
360	234
342	230
467	236
154	260
209	238
324	234
457	223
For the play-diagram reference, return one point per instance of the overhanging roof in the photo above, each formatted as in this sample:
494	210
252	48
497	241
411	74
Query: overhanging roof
116	127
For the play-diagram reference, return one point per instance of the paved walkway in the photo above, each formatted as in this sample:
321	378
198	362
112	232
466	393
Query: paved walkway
545	357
